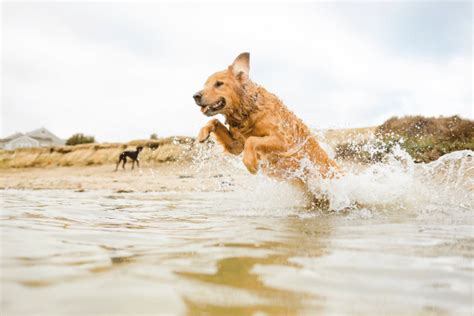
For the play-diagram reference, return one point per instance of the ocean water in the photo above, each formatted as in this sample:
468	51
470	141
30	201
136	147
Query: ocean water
398	240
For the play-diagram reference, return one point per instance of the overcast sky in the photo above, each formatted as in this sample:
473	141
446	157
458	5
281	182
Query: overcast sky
123	71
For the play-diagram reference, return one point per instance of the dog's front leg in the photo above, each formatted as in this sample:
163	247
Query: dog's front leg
254	145
223	136
206	131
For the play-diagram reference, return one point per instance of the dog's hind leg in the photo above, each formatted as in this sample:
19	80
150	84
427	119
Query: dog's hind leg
121	157
118	163
124	162
320	203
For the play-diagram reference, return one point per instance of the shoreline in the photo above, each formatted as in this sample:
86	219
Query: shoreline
174	176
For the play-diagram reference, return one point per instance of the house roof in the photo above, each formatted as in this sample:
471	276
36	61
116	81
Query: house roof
12	136
38	135
44	134
24	137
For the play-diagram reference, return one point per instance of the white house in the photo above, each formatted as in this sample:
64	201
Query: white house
23	141
40	137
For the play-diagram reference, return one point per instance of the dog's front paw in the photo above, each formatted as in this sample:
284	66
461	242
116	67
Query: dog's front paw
206	131
204	134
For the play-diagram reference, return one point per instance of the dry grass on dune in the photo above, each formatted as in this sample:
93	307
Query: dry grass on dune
155	151
425	139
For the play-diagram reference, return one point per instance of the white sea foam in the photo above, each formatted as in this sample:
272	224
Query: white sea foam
395	183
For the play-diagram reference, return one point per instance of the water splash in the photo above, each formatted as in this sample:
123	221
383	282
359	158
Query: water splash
399	183
376	185
396	182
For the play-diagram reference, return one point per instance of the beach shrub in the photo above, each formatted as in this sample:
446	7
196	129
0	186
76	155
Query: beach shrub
79	138
428	138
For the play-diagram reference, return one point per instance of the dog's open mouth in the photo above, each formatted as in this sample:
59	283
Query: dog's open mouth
213	108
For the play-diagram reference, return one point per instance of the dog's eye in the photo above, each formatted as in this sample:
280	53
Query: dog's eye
218	84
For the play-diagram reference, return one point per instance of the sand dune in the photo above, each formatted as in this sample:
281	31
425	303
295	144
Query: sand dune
172	149
156	151
425	139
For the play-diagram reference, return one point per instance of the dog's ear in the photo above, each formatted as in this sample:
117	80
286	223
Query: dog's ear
241	66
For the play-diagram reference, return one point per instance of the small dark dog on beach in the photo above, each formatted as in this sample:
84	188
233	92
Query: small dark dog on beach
130	154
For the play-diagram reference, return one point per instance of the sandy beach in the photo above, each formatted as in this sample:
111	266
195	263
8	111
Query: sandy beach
166	177
172	163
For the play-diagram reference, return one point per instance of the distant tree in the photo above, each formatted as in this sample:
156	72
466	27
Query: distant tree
79	138
153	136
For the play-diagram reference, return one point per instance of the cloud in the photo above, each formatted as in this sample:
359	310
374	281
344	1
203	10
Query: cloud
123	71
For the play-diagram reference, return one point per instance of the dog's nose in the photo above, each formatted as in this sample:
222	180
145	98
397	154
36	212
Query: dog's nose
197	97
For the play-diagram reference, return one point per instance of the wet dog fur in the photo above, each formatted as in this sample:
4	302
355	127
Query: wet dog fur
259	125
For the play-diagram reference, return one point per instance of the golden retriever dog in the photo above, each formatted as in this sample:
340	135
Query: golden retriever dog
259	125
